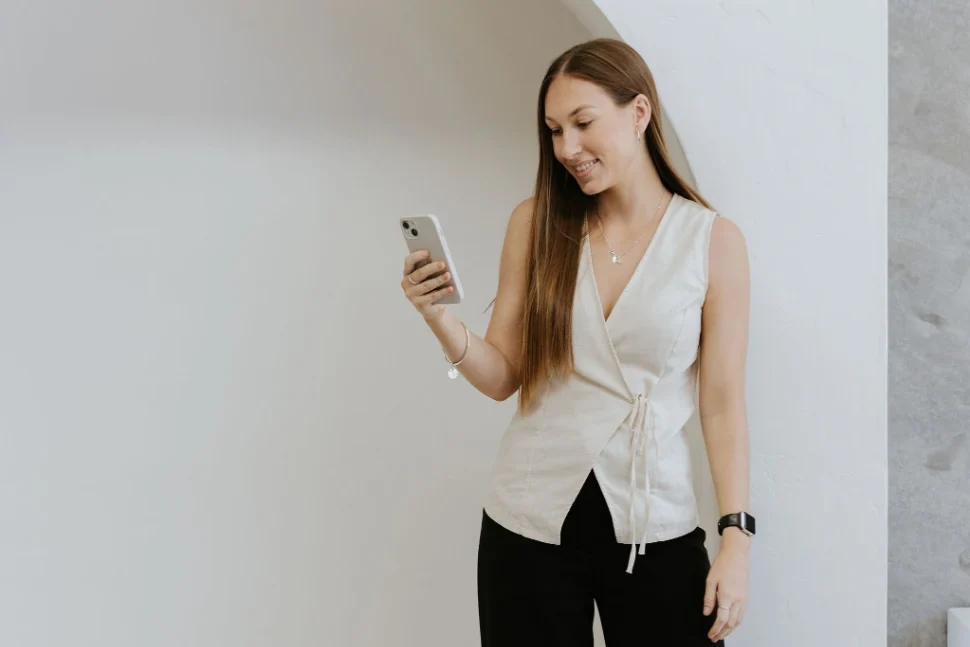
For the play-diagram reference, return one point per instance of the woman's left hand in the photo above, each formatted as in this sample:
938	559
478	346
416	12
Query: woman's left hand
727	584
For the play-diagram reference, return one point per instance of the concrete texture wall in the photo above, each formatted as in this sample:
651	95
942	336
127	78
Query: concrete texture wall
929	318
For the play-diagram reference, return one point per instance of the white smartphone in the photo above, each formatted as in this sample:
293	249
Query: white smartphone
424	232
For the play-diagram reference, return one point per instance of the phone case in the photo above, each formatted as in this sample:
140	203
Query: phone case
424	232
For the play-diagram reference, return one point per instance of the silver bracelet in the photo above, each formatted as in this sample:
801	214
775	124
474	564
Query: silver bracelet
453	371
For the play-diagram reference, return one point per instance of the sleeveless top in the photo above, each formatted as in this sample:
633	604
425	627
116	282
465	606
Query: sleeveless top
621	412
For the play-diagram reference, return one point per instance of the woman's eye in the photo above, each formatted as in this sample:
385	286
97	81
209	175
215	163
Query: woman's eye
583	125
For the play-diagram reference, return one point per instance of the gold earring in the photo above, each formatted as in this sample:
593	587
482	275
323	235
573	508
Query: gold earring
638	134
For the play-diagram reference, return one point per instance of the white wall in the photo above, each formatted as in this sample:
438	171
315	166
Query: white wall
781	110
221	423
204	344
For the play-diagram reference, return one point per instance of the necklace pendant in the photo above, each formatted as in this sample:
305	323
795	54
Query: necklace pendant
453	373
616	259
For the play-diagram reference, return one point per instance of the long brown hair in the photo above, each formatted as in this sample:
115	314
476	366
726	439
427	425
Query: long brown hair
561	206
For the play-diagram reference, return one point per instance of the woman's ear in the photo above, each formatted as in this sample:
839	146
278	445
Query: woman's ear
642	111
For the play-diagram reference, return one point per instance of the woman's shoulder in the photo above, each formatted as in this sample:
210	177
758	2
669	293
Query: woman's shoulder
727	250
523	211
697	212
712	224
726	238
520	221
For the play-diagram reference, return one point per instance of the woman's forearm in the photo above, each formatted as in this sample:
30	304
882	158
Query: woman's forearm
726	439
485	366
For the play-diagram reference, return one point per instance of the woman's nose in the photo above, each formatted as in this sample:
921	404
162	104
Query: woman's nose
570	145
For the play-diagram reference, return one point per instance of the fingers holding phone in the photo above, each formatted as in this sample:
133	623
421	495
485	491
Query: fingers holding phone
430	278
425	283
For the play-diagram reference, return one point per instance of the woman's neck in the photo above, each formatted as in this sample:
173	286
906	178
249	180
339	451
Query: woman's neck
632	202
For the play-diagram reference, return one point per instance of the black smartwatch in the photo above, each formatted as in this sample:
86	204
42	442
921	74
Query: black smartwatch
742	520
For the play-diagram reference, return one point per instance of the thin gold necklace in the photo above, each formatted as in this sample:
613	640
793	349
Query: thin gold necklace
616	257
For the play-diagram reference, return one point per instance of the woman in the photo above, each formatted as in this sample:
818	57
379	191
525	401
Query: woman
619	289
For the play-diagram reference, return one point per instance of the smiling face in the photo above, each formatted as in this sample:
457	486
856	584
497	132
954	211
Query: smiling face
593	138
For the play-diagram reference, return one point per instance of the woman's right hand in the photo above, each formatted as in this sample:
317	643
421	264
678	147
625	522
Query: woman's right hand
421	290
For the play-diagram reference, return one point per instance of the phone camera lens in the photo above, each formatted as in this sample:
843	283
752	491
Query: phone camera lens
405	224
414	232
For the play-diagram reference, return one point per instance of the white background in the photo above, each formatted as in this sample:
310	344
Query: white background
220	421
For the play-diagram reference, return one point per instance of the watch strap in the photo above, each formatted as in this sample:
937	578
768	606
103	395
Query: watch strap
742	520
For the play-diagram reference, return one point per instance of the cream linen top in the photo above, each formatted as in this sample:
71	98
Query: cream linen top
622	411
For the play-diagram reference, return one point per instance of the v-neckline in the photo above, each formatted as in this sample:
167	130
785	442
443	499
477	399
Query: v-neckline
636	271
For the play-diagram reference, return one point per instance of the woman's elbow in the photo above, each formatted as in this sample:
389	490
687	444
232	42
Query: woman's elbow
506	392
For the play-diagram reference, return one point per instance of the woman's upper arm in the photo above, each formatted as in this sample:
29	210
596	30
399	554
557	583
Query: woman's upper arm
505	326
724	322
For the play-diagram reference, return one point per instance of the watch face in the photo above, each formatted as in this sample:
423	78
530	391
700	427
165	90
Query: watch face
742	520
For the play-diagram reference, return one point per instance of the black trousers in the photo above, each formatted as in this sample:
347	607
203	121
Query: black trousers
534	594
